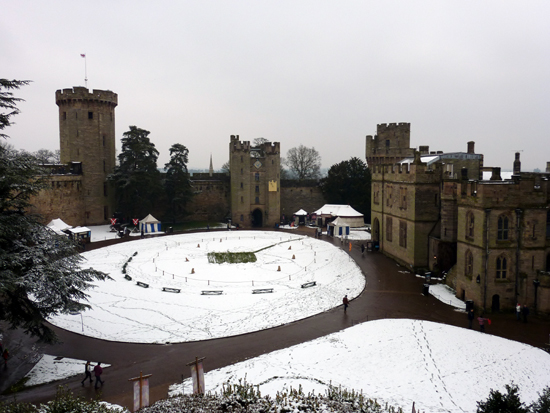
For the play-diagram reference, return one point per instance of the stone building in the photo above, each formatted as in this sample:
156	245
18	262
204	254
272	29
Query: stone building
406	205
436	211
79	191
255	183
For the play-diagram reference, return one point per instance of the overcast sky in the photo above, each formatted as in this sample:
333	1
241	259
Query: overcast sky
317	73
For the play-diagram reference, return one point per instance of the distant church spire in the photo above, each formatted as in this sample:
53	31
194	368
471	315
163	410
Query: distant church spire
211	171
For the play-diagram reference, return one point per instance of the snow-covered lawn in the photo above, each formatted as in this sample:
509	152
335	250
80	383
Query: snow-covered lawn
124	311
442	368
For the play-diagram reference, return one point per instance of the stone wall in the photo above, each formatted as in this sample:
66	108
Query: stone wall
300	195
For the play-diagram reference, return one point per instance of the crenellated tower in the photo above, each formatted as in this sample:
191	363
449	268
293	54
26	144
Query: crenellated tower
87	136
255	183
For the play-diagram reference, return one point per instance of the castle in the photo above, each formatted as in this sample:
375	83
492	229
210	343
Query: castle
79	192
446	212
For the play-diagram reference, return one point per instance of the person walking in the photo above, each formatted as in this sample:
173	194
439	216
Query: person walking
525	312
518	311
97	372
362	250
5	356
470	318
345	301
481	320
87	372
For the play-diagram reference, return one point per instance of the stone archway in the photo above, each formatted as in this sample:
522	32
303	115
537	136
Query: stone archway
375	229
257	218
495	305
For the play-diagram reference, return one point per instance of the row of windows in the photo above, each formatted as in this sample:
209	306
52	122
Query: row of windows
501	265
402	232
90	115
256	200
503	227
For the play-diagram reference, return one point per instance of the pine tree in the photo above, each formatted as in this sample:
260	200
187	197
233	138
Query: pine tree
136	178
503	403
177	184
40	272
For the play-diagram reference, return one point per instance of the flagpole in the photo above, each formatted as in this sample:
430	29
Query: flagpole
85	70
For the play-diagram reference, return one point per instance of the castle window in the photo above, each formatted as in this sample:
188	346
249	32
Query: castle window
64	115
90	115
403	198
470	224
502	266
534	234
241	185
502	229
389	229
403	234
257	176
257	200
469	264
257	189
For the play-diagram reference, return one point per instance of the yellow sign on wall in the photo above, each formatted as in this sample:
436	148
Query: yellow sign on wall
272	186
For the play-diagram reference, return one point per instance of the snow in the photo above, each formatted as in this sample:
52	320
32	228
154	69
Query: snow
123	311
51	368
397	362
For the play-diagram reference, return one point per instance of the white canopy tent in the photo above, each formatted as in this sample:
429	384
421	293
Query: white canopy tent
341	227
351	216
58	226
149	224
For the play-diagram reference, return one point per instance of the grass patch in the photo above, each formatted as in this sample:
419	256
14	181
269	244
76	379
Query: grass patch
231	257
17	387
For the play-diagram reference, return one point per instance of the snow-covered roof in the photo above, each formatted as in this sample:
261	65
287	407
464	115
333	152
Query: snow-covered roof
340	222
149	219
338	211
58	225
79	230
504	175
300	212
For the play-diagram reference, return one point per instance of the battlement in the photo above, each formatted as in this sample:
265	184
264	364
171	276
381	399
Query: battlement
401	126
271	148
236	145
406	172
79	93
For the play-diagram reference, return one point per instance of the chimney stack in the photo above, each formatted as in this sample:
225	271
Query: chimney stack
495	176
471	145
517	165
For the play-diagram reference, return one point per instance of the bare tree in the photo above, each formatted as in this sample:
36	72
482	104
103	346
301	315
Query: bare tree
303	163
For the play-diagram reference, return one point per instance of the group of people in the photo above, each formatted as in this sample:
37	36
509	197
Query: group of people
522	311
97	369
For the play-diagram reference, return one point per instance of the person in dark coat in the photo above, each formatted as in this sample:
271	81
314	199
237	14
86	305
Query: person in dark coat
362	250
345	301
97	372
87	372
470	317
525	312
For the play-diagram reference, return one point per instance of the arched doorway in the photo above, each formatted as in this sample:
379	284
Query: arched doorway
257	218
375	230
495	305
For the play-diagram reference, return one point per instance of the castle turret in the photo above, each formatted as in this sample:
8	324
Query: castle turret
87	136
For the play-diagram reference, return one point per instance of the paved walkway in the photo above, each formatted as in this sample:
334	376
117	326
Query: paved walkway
389	294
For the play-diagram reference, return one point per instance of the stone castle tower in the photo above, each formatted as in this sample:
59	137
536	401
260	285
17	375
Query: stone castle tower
255	183
87	137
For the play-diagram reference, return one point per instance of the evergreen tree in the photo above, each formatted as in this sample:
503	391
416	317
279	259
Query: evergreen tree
349	183
136	178
40	273
9	102
542	405
503	403
177	184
